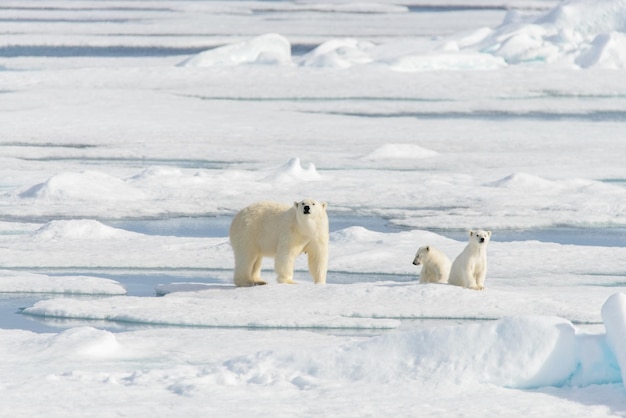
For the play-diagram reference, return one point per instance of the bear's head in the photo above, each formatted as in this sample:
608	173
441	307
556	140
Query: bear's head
421	255
479	237
311	215
309	207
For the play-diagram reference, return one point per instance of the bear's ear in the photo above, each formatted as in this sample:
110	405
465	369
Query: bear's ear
471	233
489	234
295	204
428	248
324	205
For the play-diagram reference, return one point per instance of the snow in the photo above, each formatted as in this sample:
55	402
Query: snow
576	34
293	171
266	49
338	53
132	132
371	305
613	314
399	151
87	185
16	282
78	229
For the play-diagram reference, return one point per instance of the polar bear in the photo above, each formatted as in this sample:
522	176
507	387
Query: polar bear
470	267
435	265
270	229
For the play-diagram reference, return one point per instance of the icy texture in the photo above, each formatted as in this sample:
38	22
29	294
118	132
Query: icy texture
414	124
575	33
270	49
614	316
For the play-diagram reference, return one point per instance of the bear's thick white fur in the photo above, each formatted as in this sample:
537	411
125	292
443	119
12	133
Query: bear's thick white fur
469	269
270	229
435	265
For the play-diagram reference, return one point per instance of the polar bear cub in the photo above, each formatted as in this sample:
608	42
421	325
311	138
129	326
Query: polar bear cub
435	265
469	269
271	229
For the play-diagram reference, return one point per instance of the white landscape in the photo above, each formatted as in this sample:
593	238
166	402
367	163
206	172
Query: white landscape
131	132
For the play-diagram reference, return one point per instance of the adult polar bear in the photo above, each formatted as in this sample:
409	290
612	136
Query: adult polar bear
271	229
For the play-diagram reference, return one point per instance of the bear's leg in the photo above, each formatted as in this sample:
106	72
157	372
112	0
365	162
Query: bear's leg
438	275
318	264
480	281
284	264
256	271
471	282
245	273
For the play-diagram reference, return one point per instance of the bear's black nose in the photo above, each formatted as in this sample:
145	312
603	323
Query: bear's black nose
482	239
307	209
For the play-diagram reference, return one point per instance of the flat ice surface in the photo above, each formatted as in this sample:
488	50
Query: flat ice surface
131	132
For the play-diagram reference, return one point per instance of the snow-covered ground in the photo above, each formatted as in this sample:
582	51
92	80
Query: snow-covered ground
131	132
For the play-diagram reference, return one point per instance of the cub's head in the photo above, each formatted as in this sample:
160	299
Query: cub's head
479	237
308	207
421	255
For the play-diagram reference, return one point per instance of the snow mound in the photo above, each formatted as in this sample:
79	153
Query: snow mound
86	229
577	33
86	185
11	282
84	342
400	152
338	53
582	33
515	352
587	18
268	49
606	51
523	181
614	317
518	352
293	171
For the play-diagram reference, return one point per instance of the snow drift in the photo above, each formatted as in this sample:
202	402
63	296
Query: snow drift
269	49
79	229
86	185
582	33
614	315
338	53
578	34
293	171
514	352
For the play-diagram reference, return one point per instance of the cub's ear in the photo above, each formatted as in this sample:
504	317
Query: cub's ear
489	234
295	204
324	205
471	233
428	248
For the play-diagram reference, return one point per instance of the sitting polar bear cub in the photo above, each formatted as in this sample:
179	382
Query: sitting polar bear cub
435	265
469	269
270	229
